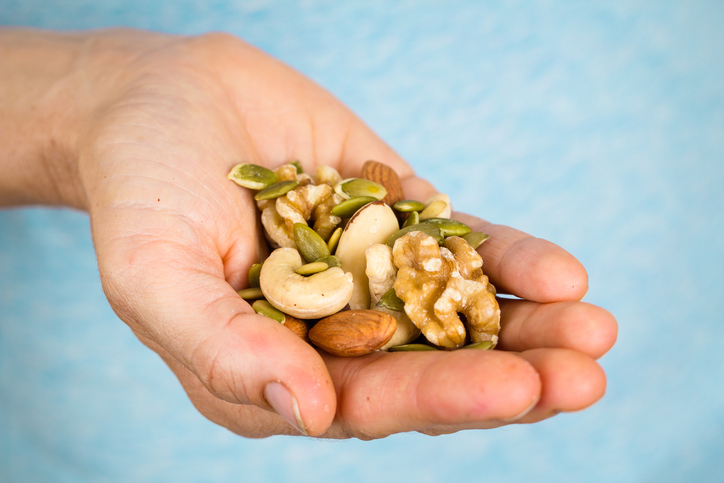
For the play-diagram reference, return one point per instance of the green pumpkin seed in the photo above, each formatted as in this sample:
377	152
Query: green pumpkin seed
334	239
427	228
433	209
482	345
391	301
263	307
297	164
276	190
407	206
254	273
412	219
252	176
312	268
251	293
475	238
449	227
412	348
354	187
331	261
311	246
349	207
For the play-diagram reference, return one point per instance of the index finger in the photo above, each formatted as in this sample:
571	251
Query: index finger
528	267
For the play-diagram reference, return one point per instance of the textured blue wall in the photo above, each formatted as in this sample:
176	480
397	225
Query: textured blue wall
597	125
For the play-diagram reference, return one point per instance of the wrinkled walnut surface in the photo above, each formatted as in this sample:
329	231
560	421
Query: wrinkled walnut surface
307	202
438	283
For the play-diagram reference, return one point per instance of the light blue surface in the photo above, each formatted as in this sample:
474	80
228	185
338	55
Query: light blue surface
598	126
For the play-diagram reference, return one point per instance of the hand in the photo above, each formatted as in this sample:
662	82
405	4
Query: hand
169	117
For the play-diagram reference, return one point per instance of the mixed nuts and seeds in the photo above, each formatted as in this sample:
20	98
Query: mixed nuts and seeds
357	268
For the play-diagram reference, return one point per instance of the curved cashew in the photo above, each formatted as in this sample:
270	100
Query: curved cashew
317	296
381	272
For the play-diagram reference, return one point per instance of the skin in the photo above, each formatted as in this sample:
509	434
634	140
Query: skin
140	129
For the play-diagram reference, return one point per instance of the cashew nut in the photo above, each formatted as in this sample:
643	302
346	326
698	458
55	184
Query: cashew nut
382	272
312	297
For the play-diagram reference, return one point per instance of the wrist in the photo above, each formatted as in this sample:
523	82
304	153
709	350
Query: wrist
52	86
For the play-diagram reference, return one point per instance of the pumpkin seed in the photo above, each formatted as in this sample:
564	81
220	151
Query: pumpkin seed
252	176
433	209
263	307
354	187
427	228
297	164
475	238
407	206
311	246
412	219
312	268
254	272
412	348
276	190
331	261
391	301
334	239
482	345
349	207
251	293
449	227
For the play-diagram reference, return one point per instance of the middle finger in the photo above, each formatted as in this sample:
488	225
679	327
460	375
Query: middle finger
566	325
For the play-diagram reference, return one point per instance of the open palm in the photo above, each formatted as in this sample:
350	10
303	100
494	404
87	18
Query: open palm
175	239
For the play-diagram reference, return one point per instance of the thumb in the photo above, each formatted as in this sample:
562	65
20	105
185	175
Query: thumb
178	302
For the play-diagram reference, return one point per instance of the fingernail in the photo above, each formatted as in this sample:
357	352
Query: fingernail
519	416
281	399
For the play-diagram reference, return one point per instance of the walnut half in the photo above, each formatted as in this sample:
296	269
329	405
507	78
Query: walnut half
308	202
438	283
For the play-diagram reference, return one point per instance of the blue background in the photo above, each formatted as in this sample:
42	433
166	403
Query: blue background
597	125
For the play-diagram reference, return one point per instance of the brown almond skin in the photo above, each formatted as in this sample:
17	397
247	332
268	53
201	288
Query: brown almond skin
297	326
353	332
387	177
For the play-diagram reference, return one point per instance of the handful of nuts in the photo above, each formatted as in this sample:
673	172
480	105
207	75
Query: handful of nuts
356	268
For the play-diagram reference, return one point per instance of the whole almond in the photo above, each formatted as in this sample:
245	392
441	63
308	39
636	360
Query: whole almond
353	332
387	177
297	326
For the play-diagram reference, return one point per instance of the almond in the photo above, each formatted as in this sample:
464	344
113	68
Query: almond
297	326
353	332
387	177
